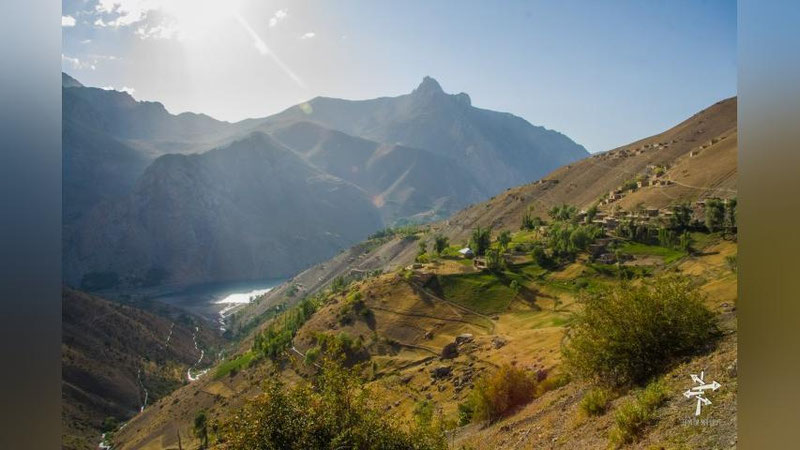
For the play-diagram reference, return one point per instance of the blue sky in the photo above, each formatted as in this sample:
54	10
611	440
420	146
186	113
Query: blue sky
604	73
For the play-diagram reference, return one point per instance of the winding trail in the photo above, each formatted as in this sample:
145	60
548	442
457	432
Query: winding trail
169	336
146	394
199	360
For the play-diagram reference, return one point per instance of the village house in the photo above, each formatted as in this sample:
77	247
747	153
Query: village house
466	252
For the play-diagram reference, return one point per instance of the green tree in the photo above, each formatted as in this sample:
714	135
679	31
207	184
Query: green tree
686	242
334	411
527	222
494	260
730	213
481	239
541	258
504	239
715	215
629	333
563	212
440	243
579	238
591	213
667	238
681	217
201	428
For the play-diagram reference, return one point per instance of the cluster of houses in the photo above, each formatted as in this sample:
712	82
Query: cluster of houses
627	152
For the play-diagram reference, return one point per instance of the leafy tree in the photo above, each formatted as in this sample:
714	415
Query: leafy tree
527	222
681	217
504	239
335	411
497	393
494	260
591	213
628	333
440	243
563	212
667	238
715	214
481	239
515	287
201	428
422	248
730	212
541	258
579	238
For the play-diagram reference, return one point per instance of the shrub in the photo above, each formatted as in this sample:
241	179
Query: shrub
541	258
465	412
632	417
499	392
595	402
628	333
423	412
335	411
730	260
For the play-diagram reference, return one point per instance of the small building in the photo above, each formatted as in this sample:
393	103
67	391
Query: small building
606	258
466	252
651	212
610	223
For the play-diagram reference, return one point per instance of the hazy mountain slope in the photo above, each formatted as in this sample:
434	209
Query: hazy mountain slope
499	149
251	210
405	183
111	354
109	138
96	167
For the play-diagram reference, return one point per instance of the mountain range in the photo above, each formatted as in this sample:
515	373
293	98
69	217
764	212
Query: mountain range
152	198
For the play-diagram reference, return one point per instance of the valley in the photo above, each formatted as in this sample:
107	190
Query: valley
426	330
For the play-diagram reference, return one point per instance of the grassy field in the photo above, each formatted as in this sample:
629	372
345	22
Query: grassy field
235	364
669	255
482	291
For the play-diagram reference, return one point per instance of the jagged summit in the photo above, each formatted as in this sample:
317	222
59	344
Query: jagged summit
429	86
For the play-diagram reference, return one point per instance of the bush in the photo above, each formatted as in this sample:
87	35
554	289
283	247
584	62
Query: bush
336	411
632	417
629	333
733	265
497	393
595	402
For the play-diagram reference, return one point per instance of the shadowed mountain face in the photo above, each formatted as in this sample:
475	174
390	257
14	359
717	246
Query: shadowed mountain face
499	149
405	183
143	203
253	209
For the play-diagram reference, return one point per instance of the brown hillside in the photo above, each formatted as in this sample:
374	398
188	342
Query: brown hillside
711	173
111	355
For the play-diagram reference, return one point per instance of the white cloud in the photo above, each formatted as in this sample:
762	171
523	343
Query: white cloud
88	62
308	35
67	21
86	41
277	17
76	64
164	19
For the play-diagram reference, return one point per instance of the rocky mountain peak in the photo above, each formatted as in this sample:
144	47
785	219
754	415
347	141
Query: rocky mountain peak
429	86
